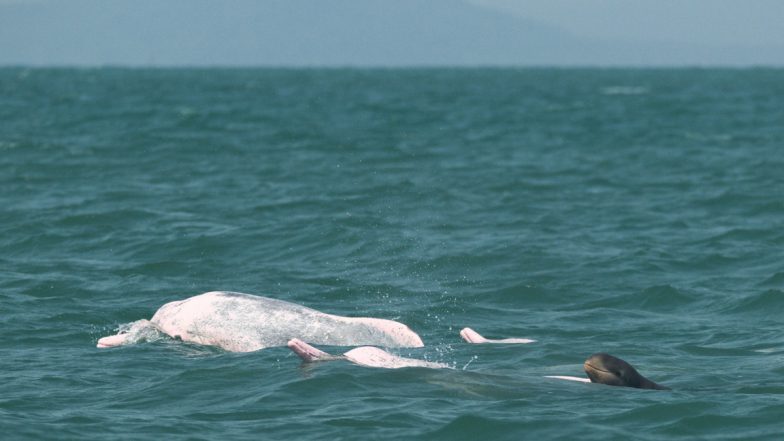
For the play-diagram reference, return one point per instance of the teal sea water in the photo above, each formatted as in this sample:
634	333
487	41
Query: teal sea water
635	212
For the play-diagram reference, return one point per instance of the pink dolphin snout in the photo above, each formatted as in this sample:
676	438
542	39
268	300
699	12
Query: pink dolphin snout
112	340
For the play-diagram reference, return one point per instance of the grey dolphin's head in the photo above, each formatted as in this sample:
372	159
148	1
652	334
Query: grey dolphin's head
605	369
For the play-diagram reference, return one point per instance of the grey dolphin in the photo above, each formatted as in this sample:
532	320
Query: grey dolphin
606	369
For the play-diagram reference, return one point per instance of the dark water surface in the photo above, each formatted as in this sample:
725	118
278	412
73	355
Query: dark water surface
636	212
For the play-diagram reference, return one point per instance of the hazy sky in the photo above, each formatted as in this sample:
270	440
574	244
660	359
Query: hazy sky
392	32
710	22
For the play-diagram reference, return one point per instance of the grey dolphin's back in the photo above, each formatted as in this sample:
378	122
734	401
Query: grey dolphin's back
243	322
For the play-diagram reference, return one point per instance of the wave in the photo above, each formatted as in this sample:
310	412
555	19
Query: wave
768	303
659	298
775	280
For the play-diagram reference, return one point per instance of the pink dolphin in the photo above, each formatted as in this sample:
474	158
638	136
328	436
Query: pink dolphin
471	336
367	356
242	323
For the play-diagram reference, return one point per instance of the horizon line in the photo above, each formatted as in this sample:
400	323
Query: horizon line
414	66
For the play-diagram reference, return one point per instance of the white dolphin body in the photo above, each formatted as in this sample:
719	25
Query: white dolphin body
240	322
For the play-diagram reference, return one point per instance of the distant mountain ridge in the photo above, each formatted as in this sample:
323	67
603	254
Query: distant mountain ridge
315	33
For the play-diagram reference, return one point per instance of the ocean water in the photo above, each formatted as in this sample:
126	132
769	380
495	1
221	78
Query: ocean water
635	212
